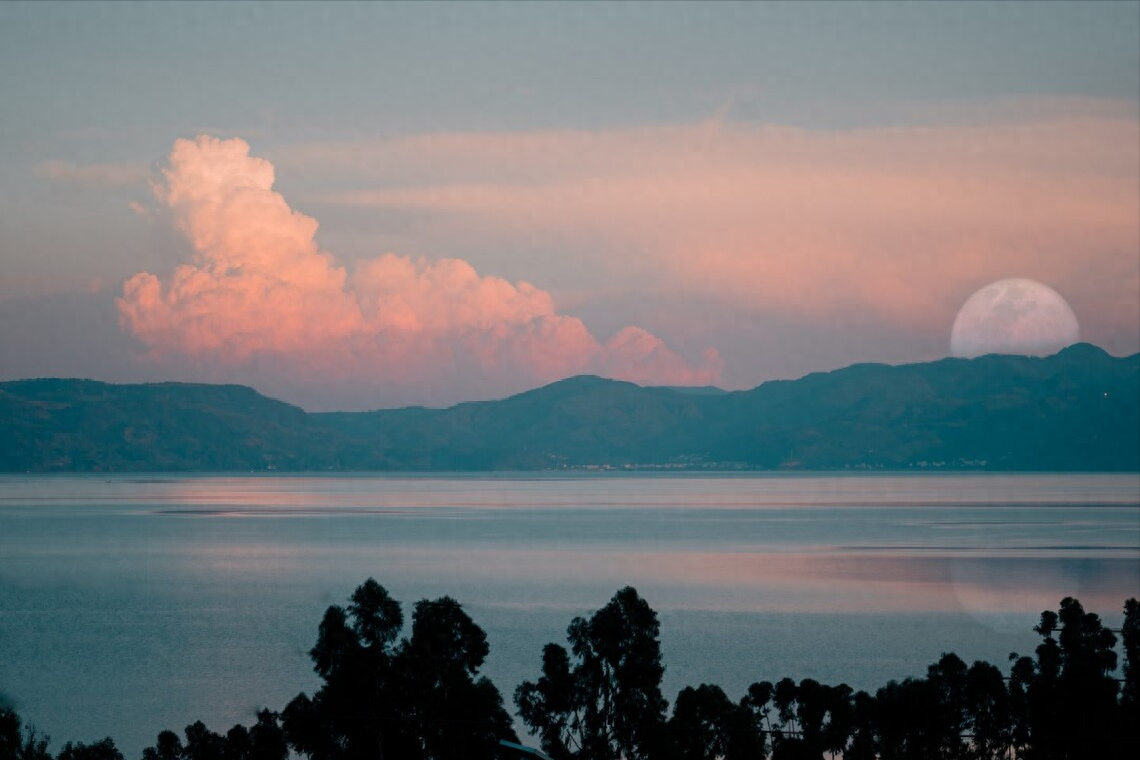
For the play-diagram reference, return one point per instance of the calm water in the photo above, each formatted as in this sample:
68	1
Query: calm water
130	605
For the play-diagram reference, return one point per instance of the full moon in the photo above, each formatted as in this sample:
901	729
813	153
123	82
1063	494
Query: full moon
1015	316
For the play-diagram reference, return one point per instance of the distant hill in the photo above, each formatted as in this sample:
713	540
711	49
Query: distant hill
83	425
1078	410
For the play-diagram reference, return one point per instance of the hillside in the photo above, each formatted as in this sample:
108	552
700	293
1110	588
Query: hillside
83	425
1076	410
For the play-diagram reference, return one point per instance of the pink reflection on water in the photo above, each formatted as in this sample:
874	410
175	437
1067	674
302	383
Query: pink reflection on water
993	590
535	491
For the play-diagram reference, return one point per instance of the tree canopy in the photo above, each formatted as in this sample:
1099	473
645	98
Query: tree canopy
422	697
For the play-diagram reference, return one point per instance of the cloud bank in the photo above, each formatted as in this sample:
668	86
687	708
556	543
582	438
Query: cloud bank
260	302
895	225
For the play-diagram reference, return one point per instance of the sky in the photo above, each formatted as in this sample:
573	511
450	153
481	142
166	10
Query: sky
353	206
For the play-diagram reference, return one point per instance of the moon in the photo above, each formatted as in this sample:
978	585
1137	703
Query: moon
1014	316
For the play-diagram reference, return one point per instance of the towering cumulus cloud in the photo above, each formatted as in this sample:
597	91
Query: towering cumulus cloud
261	302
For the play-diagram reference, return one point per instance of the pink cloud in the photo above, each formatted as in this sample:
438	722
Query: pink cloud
259	298
900	224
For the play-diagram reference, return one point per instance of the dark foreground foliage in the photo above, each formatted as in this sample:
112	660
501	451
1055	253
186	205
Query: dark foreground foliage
421	698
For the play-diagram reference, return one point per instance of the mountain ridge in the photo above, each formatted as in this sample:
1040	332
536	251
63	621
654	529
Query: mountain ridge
1076	410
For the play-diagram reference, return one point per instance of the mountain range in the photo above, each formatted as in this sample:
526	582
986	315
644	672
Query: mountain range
1078	410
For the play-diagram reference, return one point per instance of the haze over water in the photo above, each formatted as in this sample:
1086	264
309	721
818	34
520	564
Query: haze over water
130	605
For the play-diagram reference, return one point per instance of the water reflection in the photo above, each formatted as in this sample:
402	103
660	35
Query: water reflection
195	597
625	491
785	582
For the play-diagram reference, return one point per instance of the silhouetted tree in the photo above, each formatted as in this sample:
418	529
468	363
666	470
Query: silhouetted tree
100	750
550	705
787	730
862	744
948	677
419	700
1021	675
1070	696
167	747
458	715
35	745
264	741
1130	633
9	733
1130	692
707	725
360	713
203	744
989	713
907	720
422	698
757	703
813	719
615	709
955	712
19	742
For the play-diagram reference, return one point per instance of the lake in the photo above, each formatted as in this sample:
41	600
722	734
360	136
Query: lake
129	605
